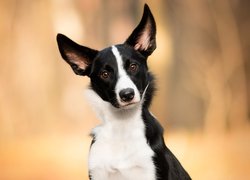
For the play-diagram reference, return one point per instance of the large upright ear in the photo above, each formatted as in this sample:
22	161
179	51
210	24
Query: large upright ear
78	57
142	38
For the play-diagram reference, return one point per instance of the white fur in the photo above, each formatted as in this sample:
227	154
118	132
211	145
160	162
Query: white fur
120	151
123	81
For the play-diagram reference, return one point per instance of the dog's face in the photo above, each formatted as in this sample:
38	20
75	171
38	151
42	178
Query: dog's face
119	73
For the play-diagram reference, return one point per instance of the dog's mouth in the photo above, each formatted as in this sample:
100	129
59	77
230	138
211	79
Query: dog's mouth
129	105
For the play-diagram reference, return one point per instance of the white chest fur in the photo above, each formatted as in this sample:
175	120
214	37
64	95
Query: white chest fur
120	151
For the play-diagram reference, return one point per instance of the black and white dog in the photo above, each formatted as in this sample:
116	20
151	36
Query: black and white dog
129	143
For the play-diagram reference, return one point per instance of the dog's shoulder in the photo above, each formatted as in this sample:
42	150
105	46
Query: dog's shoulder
167	165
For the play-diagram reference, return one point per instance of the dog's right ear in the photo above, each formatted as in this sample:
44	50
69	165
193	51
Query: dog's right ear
78	57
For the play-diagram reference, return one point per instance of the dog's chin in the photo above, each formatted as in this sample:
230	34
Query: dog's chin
121	105
130	105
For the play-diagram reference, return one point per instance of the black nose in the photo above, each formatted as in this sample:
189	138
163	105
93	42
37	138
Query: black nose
127	94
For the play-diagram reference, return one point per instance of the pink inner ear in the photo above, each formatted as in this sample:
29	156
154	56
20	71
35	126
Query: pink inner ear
78	60
143	42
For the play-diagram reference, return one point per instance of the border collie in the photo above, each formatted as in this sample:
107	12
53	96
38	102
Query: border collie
129	143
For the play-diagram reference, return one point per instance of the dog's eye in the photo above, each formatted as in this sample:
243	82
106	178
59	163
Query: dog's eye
104	74
133	67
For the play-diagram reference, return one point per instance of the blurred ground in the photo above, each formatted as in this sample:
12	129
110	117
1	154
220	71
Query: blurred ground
205	157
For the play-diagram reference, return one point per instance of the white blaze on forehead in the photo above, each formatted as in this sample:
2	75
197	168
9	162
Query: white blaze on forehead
123	80
118	60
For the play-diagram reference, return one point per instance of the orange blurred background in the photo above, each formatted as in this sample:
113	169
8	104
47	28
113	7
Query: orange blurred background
202	65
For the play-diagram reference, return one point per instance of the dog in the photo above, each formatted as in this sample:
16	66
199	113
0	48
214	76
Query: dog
129	143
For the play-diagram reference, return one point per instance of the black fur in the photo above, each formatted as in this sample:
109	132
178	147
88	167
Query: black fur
92	63
167	165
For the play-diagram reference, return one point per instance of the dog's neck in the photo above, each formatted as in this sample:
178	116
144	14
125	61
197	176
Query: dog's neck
116	123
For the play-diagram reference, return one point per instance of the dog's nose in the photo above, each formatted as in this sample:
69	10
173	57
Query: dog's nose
127	94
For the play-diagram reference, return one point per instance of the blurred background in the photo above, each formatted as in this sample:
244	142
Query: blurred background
202	66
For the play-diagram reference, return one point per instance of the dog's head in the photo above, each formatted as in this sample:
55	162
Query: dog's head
119	73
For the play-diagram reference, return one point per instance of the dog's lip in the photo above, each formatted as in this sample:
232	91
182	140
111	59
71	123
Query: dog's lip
129	104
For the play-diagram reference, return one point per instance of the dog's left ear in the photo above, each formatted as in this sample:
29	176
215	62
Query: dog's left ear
143	38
